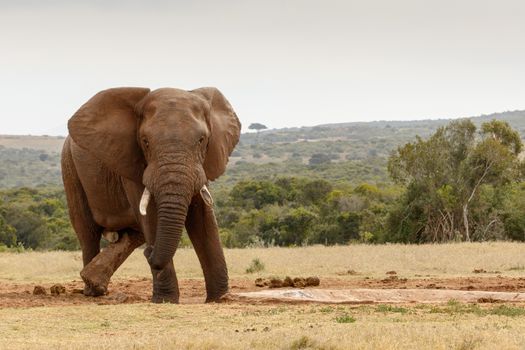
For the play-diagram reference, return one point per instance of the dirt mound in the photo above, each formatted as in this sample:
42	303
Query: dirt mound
297	282
57	289
39	290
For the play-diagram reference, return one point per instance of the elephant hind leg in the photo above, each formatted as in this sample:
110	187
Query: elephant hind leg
87	230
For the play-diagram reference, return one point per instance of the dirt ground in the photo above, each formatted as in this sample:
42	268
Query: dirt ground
20	295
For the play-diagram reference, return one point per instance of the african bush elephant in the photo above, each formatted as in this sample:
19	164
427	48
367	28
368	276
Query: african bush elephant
137	162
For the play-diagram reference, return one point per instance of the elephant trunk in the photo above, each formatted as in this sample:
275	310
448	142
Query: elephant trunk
173	200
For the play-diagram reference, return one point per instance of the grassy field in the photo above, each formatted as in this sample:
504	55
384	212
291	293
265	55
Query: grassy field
145	326
275	326
443	260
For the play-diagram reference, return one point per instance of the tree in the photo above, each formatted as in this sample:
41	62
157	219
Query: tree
319	158
443	176
256	194
7	232
257	126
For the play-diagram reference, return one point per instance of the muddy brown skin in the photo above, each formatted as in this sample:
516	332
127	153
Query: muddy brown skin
169	141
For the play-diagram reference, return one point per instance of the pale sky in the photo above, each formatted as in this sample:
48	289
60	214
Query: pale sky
280	63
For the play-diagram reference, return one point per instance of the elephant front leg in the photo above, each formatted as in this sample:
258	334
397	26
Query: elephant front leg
165	283
204	234
97	273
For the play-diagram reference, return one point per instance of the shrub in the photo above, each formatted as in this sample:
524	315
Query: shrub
255	266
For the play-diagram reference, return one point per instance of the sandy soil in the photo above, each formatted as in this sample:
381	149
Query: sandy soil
192	290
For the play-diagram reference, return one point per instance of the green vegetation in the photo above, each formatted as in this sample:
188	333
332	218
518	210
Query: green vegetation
28	167
331	184
391	308
255	266
345	319
35	219
295	211
455	307
458	184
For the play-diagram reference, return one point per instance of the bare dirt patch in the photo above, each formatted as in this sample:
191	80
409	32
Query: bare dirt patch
193	291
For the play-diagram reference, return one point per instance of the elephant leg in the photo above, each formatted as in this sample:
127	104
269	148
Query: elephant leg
87	230
204	234
165	283
98	272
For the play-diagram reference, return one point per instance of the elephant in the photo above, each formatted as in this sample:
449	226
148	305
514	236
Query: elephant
137	163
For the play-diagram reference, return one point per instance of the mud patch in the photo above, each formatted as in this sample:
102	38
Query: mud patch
381	296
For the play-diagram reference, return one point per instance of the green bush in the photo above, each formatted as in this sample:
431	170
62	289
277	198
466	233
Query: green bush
255	266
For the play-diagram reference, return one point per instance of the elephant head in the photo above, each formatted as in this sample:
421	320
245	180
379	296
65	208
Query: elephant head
169	140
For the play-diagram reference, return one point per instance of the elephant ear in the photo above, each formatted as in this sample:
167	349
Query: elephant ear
224	134
106	126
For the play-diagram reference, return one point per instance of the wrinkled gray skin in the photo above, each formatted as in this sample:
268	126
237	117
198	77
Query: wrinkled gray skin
171	142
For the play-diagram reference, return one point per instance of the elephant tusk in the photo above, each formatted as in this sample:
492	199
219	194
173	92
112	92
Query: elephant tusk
206	196
144	201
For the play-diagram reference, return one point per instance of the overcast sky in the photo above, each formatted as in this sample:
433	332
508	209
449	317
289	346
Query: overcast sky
280	63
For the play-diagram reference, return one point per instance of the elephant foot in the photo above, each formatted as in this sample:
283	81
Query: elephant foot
94	291
216	297
216	289
94	287
165	298
165	285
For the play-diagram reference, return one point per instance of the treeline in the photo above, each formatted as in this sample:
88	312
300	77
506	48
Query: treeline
463	183
296	211
35	218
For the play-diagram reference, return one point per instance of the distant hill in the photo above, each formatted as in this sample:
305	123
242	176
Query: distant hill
41	143
353	152
347	141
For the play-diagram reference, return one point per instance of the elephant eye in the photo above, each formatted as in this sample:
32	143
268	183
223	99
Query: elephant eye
201	140
146	143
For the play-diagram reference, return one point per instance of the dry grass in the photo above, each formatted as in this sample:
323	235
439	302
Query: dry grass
241	326
146	326
448	260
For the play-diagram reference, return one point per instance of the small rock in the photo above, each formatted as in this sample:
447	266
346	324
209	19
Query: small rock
77	291
58	289
390	278
391	273
313	281
479	271
119	297
299	282
39	290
